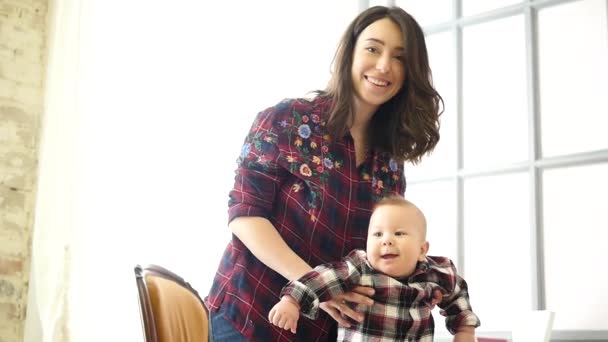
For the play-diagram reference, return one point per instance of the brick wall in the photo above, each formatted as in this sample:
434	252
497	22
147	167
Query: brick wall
22	64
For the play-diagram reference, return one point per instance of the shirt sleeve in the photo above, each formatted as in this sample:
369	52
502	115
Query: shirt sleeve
258	174
324	282
455	305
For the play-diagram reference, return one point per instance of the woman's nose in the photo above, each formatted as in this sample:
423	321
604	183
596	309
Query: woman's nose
383	64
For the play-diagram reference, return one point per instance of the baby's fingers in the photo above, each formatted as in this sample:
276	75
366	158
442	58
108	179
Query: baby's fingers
287	323
437	297
271	315
292	325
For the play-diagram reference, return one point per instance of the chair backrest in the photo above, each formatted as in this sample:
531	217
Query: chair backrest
533	326
171	310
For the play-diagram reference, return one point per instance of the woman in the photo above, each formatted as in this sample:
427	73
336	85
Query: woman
310	172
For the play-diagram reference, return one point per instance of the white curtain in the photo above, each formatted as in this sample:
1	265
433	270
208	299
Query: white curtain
47	310
147	106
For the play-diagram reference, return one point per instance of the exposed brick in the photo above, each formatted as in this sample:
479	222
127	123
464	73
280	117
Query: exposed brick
8	230
18	165
6	52
14	242
22	70
11	199
7	90
10	266
9	311
22	62
17	127
10	331
7	289
14	212
29	97
18	179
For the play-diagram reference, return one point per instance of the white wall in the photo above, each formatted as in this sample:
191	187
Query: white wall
148	106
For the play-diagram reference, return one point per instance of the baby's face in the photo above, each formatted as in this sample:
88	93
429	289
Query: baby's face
396	239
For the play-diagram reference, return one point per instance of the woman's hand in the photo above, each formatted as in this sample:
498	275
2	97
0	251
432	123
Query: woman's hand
338	307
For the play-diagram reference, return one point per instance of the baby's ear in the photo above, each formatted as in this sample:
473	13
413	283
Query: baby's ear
423	250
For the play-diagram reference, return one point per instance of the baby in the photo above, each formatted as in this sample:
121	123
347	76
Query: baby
395	264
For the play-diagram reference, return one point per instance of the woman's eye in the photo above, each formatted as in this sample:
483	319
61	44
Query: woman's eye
372	49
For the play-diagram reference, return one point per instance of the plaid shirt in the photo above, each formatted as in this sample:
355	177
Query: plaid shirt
308	185
402	308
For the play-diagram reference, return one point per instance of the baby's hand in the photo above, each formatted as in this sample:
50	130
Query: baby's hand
285	314
465	334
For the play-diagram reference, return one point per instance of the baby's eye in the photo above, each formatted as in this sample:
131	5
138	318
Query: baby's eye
377	234
400	233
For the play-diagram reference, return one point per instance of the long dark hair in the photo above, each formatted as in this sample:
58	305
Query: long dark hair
406	126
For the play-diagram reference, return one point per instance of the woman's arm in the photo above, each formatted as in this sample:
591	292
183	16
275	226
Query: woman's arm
263	240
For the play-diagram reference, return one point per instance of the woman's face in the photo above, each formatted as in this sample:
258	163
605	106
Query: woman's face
378	69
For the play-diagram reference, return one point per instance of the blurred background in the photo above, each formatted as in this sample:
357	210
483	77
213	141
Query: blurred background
121	122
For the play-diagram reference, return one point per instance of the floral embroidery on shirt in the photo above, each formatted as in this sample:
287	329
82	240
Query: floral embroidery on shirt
384	179
310	157
305	170
306	154
253	151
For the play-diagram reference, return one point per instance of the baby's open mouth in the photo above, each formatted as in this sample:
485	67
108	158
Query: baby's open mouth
389	256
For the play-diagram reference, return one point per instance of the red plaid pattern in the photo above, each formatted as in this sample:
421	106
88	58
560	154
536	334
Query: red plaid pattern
402	307
308	185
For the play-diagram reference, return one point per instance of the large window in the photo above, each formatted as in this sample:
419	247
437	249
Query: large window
516	189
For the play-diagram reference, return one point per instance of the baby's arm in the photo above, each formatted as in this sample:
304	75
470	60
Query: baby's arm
456	306
285	314
327	281
465	334
323	283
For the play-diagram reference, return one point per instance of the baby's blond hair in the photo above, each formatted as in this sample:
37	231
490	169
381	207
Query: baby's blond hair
400	201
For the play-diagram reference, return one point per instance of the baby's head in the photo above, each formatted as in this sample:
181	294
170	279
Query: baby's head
396	238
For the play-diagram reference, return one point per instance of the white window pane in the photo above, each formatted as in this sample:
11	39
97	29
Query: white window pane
494	93
437	200
373	3
443	159
576	231
427	12
470	7
573	60
497	247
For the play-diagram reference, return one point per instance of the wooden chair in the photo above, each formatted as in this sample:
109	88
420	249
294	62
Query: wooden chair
171	310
